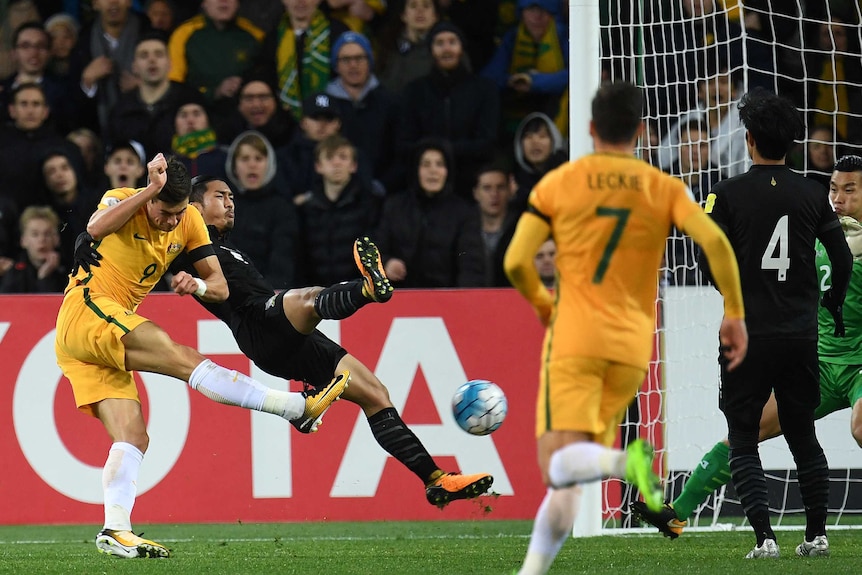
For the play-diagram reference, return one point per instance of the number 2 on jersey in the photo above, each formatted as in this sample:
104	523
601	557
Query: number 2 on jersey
778	242
622	217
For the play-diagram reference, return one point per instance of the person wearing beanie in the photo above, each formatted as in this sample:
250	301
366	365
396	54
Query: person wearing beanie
453	103
531	67
369	112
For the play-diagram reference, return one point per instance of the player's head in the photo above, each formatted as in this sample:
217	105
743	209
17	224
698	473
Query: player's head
617	112
845	187
773	123
214	200
178	186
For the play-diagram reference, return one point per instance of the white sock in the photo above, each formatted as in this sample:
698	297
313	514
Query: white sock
119	484
552	526
233	388
584	462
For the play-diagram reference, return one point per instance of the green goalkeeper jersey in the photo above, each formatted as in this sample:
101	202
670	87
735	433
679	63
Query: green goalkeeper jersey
845	350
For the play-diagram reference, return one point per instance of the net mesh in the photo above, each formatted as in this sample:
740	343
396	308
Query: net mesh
695	58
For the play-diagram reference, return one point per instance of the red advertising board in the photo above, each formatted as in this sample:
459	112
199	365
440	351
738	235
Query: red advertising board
212	463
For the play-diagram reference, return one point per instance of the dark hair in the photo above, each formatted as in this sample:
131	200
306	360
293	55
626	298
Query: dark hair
534	125
772	121
199	186
157	35
617	111
488	168
178	186
849	163
28	86
331	144
32	25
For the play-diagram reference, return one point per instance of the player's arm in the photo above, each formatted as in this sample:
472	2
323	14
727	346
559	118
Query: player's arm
533	229
108	220
210	285
841	261
733	334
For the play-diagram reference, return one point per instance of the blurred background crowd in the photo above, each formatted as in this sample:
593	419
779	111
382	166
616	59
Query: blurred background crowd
422	123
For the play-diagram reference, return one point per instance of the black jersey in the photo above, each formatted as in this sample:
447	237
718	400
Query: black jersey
772	216
247	286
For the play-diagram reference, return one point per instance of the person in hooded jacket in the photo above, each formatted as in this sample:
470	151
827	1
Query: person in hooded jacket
269	229
429	237
539	148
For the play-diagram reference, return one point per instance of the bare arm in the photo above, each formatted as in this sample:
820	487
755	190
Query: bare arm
105	222
209	270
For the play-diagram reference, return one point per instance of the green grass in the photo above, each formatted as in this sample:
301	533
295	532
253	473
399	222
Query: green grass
408	548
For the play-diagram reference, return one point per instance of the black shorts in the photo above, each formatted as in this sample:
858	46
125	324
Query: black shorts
788	367
267	338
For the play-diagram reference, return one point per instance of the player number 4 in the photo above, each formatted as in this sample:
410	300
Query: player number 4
778	243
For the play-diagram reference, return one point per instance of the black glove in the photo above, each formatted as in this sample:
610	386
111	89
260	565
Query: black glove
85	254
836	309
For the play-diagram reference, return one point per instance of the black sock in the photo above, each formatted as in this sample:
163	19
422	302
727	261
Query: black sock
395	437
749	481
813	474
340	300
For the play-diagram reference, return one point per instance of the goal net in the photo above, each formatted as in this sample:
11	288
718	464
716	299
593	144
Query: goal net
695	58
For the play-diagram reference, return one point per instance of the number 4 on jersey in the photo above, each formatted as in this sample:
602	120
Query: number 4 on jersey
778	242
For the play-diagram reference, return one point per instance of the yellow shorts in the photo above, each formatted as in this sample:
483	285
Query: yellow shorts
90	349
586	394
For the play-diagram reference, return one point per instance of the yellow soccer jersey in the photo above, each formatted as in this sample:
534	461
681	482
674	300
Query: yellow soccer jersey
610	215
136	256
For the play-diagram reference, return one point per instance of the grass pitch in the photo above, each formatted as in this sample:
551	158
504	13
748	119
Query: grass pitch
404	548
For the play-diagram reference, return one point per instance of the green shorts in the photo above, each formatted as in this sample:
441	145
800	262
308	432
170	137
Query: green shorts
840	387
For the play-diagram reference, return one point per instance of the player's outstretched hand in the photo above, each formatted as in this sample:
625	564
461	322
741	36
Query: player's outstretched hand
157	171
836	309
733	336
85	254
184	283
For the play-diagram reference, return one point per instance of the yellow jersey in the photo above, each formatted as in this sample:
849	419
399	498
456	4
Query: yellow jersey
610	215
136	256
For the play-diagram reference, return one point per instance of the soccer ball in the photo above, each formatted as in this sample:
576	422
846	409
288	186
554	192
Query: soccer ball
479	407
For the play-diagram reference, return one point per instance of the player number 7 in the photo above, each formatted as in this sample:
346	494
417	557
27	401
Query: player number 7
622	217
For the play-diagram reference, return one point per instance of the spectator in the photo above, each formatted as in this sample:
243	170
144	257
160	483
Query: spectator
296	162
92	152
428	236
357	15
161	15
694	167
63	30
718	95
31	51
817	157
146	114
106	51
368	111
403	53
24	143
339	210
124	165
17	12
833	77
72	202
268	230
452	103
195	142
478	21
38	268
546	263
493	192
298	49
539	148
211	51
258	110
531	65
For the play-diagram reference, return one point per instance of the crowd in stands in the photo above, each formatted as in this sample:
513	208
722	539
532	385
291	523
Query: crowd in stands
421	123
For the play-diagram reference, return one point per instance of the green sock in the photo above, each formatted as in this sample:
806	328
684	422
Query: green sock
712	472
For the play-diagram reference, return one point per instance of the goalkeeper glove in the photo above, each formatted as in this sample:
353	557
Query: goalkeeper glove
836	309
85	254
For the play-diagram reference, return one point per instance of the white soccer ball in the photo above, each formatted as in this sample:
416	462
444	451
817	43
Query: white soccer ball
479	407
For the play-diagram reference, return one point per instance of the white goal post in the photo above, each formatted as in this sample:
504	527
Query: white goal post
689	61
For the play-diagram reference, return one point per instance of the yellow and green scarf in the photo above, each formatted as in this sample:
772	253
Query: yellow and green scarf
194	144
315	62
545	56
